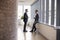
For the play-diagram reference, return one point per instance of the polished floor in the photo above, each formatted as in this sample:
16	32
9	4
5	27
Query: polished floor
28	35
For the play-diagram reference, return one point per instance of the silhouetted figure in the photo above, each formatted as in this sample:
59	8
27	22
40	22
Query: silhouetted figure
25	20
36	21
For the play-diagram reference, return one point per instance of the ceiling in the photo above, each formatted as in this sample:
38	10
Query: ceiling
26	2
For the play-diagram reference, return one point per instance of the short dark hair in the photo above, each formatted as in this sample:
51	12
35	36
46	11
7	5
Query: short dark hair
26	9
36	10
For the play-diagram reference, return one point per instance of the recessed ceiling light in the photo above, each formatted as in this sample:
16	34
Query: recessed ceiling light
21	1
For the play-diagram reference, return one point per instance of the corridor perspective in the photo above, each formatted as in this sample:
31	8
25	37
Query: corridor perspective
28	35
12	25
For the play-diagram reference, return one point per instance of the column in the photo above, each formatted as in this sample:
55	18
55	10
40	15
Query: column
8	19
58	13
58	19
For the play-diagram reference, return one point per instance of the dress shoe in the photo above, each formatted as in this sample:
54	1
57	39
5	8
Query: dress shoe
31	31
24	31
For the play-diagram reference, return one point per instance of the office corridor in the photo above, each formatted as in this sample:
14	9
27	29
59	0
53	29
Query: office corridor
28	35
11	11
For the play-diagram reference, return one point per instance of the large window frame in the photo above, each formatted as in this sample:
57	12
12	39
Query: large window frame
49	12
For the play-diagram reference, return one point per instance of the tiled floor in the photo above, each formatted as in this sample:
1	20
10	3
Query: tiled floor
28	35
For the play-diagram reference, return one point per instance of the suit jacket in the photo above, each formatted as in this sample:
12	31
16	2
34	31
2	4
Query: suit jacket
25	17
36	18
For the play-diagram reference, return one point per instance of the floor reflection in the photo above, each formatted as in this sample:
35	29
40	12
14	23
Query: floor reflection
28	35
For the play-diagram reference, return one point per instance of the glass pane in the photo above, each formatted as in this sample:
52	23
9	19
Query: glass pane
45	13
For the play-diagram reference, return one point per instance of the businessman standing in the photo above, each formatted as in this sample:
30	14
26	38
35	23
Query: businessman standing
36	21
25	20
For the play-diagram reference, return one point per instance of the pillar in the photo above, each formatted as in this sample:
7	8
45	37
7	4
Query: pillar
58	13
58	19
8	17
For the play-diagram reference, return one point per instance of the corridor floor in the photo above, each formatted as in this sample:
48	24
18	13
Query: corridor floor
28	35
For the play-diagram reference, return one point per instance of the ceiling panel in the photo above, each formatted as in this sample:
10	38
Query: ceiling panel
26	2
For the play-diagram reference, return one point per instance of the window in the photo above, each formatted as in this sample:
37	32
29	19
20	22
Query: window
19	11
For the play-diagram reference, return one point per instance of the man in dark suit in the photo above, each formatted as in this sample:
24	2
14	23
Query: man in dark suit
25	20
36	21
